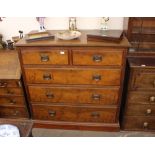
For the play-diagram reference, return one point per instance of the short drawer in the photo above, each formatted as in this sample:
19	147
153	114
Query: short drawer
11	91
74	95
10	83
103	57
73	76
144	79
139	123
141	97
74	113
52	57
13	112
140	110
12	101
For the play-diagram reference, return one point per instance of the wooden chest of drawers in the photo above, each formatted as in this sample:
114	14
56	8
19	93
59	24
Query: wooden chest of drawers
74	84
12	100
140	102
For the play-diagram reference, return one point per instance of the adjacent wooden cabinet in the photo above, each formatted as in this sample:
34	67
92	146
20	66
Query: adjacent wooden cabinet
12	98
139	111
74	84
140	31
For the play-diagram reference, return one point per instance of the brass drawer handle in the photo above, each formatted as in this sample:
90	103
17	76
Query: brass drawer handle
145	125
97	58
50	95
148	111
10	92
152	99
3	84
96	96
44	58
47	77
52	113
95	114
96	77
15	113
12	102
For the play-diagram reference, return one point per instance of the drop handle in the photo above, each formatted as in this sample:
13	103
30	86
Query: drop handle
52	113
96	96
10	92
3	84
49	95
95	114
148	111
15	113
152	99
96	77
97	58
44	58
47	77
145	125
12	102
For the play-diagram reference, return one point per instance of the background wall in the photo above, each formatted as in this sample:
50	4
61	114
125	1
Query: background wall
11	25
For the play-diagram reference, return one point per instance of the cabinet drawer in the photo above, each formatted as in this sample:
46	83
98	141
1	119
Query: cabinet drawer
140	110
10	83
141	97
52	57
144	79
73	95
76	114
11	91
73	76
12	101
105	57
139	123
13	112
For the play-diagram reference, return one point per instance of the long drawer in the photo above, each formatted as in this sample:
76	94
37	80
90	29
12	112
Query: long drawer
11	91
52	57
141	97
9	83
105	57
144	79
74	95
13	112
73	76
139	123
140	110
12	101
74	113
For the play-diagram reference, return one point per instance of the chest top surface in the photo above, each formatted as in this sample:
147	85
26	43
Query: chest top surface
82	41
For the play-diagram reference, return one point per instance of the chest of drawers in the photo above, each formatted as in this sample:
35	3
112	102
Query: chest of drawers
74	84
12	100
140	103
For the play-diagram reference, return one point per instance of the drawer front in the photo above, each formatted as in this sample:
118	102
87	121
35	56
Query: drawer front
139	123
74	114
73	76
73	95
141	97
53	57
105	57
144	80
140	110
10	83
10	112
11	91
12	101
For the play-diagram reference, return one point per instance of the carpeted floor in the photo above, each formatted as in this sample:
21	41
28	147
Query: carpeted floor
37	132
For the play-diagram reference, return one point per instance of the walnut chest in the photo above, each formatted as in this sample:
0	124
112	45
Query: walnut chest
12	100
139	111
74	84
